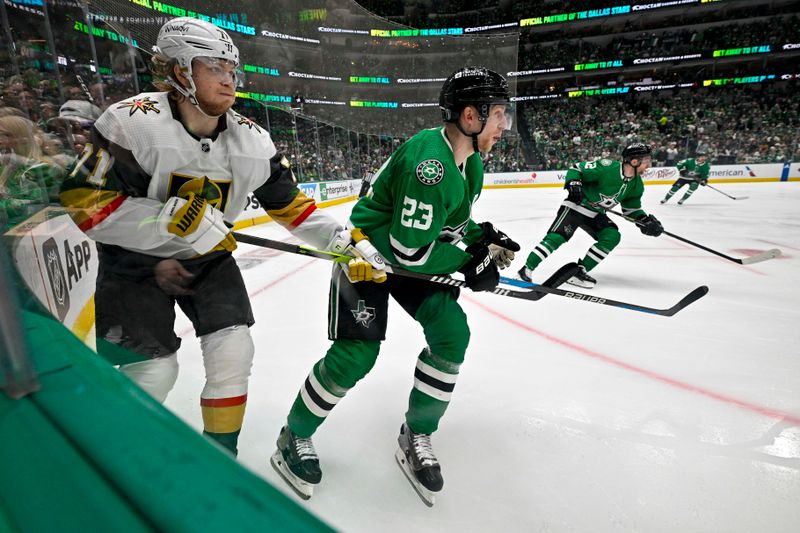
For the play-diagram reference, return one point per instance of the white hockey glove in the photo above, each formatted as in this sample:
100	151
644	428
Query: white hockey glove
196	221
367	263
501	246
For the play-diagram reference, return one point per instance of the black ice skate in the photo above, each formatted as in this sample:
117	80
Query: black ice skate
416	460
525	274
582	279
297	463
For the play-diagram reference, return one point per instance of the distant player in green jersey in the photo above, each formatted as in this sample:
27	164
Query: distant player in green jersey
693	172
416	212
594	187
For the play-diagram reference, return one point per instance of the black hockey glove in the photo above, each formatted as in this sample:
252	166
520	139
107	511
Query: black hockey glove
480	272
574	191
501	246
683	172
703	182
650	226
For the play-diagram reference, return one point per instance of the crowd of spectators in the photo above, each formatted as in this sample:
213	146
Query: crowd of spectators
40	139
466	13
456	13
38	143
677	41
735	125
46	114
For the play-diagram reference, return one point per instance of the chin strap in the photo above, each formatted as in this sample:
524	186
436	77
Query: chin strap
474	136
190	94
634	167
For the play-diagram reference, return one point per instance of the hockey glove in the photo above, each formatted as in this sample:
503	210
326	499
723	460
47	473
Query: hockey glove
703	182
367	263
650	226
480	272
196	221
500	245
683	172
574	191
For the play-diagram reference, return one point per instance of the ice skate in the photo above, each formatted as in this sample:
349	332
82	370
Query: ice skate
582	279
297	463
525	274
680	202
416	460
663	201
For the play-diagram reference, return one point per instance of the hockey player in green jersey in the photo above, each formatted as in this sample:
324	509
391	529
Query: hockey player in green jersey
693	172
415	214
594	187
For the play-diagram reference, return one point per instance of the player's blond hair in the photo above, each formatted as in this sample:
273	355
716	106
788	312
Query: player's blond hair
163	69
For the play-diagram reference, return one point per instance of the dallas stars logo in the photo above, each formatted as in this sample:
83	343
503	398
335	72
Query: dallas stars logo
607	202
140	104
249	123
364	315
430	172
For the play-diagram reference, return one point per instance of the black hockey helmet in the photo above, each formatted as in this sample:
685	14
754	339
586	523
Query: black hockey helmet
477	86
636	151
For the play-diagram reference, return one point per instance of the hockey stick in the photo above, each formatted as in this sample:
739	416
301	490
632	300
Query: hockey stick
728	195
763	256
536	292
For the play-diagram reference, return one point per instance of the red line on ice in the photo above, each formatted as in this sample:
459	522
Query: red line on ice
766	411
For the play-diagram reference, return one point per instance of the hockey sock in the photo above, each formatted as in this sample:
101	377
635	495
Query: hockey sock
431	394
222	419
692	187
436	372
607	240
592	258
541	251
346	362
229	441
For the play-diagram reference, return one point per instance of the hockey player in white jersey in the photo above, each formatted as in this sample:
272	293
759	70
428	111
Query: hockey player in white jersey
165	175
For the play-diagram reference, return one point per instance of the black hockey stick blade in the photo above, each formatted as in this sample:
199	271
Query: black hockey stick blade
690	298
763	256
558	278
536	292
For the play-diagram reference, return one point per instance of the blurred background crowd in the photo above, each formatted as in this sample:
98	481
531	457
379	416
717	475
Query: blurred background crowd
55	81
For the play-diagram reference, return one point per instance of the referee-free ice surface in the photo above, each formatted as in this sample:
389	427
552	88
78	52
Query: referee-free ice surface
568	416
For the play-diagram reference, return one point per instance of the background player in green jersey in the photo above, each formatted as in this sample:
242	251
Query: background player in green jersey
594	187
693	172
415	214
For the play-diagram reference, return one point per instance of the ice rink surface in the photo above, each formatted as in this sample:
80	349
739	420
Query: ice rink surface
567	416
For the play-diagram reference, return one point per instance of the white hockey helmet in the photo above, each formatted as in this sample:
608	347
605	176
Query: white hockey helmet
186	38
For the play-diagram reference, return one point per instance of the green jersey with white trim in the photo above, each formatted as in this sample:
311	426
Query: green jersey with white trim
604	187
420	203
693	170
